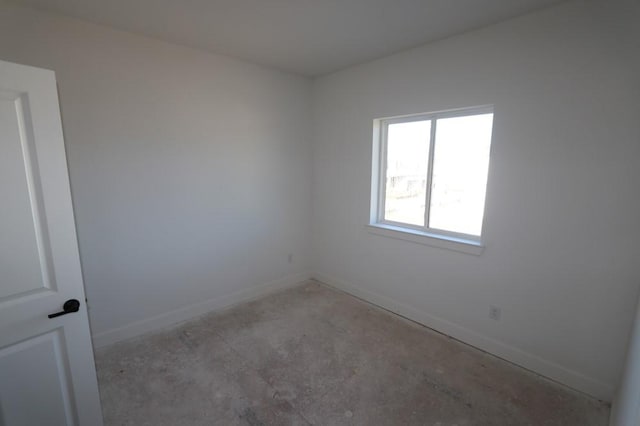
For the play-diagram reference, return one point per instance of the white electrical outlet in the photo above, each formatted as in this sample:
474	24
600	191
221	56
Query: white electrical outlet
494	313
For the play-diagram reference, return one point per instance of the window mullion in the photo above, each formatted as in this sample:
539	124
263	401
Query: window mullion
432	146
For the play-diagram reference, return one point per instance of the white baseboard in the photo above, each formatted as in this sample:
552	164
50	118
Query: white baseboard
549	369
177	316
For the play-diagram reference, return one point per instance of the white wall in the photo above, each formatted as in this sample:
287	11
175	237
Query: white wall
189	171
562	205
625	411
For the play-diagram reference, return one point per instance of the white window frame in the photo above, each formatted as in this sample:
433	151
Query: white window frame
472	244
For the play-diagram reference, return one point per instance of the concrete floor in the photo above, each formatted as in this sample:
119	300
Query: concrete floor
312	355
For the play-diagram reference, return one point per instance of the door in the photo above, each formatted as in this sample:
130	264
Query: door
626	406
47	371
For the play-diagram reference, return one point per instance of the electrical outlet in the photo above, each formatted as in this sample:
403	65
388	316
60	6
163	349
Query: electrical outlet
290	258
494	313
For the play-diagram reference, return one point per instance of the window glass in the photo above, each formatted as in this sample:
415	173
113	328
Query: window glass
460	167
406	175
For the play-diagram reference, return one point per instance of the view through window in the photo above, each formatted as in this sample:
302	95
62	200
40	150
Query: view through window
434	171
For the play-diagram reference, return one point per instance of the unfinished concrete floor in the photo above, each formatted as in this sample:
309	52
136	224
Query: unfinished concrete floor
313	355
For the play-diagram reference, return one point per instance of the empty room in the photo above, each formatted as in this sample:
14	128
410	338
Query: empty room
319	212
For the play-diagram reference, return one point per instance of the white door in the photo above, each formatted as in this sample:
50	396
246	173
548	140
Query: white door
47	371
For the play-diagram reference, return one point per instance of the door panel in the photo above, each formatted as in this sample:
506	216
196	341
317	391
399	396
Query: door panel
37	362
24	250
47	371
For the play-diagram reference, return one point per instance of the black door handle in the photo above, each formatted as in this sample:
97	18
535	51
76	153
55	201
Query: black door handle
71	305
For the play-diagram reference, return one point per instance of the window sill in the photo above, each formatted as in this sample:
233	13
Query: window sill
434	240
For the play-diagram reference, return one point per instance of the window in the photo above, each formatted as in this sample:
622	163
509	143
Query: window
430	173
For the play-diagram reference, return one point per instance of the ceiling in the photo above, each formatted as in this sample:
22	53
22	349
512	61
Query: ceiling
308	37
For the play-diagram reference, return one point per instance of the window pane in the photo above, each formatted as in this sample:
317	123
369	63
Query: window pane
406	178
460	166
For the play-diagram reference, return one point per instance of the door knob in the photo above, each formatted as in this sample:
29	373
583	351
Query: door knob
71	305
